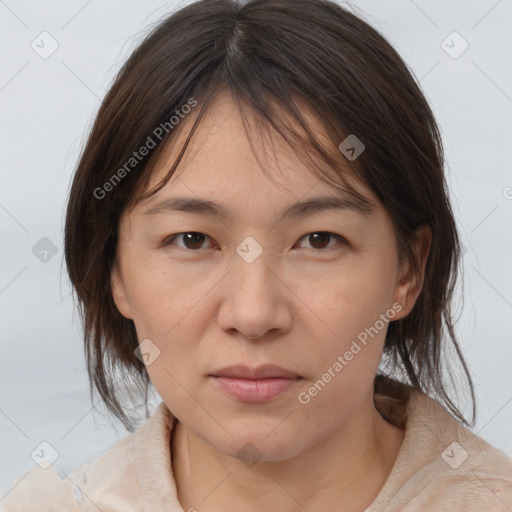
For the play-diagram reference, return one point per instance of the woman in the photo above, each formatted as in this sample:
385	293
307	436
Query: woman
259	227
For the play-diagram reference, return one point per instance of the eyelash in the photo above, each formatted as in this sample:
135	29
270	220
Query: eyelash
169	240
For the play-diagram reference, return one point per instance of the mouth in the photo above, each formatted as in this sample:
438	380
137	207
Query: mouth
255	385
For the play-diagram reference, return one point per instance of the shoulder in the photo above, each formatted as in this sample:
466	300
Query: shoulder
444	466
44	486
110	482
80	491
460	474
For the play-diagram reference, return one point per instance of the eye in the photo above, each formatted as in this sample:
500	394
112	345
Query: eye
192	240
319	239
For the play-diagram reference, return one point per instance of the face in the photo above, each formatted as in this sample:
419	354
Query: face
311	292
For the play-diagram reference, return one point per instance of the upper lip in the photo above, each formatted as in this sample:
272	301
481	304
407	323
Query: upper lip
267	371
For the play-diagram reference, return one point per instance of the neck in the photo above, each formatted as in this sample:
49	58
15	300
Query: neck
349	467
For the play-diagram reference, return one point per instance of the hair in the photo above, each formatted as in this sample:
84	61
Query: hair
278	58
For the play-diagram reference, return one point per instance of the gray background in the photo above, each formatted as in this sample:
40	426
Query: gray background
47	104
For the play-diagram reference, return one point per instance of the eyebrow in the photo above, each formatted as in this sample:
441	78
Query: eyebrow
360	205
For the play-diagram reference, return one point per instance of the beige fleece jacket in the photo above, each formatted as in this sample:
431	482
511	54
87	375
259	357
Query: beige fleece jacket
441	466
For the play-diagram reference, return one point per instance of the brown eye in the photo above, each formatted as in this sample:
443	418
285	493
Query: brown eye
190	240
320	239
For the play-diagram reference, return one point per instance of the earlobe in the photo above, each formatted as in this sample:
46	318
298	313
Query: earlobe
119	293
411	280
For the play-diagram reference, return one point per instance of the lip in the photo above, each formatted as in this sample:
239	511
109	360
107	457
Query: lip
266	371
255	385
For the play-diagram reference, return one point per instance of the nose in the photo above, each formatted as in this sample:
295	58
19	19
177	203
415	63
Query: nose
256	303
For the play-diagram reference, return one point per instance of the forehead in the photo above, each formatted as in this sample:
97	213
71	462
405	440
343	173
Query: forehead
228	157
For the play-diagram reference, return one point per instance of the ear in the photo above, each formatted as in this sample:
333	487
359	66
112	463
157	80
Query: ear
411	281
119	292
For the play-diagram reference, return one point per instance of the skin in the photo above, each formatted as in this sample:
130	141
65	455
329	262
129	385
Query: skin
299	304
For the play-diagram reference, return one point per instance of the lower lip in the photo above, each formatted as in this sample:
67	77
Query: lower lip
255	390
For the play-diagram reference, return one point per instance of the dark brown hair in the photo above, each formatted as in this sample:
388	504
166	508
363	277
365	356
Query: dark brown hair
275	57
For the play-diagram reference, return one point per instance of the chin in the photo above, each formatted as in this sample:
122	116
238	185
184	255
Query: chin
250	452
256	440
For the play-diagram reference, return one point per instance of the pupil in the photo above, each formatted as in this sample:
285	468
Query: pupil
318	237
191	243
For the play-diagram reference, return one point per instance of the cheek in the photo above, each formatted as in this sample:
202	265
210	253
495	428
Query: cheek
347	300
346	358
162	297
169	309
348	315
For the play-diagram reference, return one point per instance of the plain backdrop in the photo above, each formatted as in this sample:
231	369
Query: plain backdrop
47	105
